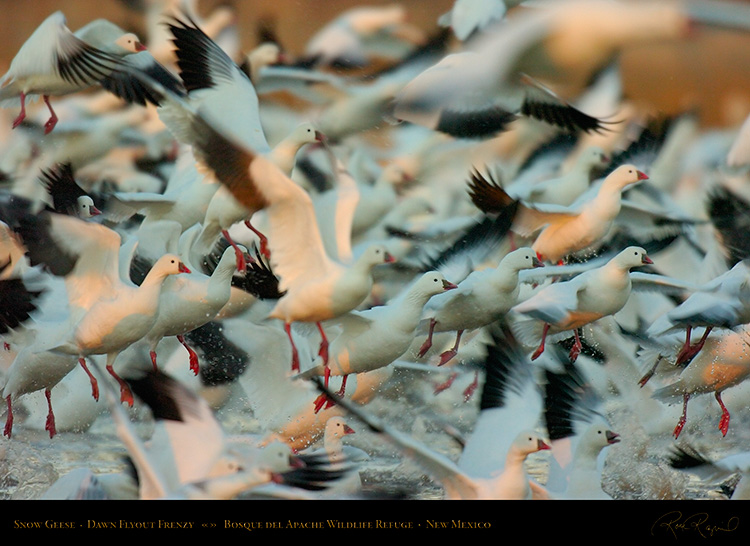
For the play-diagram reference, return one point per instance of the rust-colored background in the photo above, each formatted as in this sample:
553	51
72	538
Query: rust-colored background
711	72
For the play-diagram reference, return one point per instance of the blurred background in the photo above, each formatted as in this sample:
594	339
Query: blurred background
709	73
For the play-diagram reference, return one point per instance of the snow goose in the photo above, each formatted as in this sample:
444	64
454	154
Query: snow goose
721	303
374	338
54	61
315	287
107	312
478	91
560	231
481	298
347	40
568	305
578	433
721	364
691	460
212	78
566	188
510	403
67	196
190	301
224	210
177	462
512	482
467	17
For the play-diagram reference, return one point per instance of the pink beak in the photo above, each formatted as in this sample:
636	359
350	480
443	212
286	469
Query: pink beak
389	259
140	47
183	268
642	176
542	445
447	285
646	260
348	429
94	211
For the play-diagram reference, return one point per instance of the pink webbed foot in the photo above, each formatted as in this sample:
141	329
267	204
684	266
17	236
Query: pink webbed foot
576	349
323	349
446	356
724	421
126	395
683	418
9	419
22	114
469	391
440	387
238	252
52	121
540	349
295	354
263	240
192	355
94	382
49	425
428	342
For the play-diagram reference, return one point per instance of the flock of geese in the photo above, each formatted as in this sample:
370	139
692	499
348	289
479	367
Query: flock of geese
193	235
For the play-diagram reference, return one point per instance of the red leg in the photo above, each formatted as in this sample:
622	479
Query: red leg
52	121
125	394
295	356
22	114
239	254
50	424
575	350
152	354
450	353
469	391
9	419
428	342
194	366
440	387
94	383
540	349
688	351
683	419
323	401
323	350
263	240
724	422
682	355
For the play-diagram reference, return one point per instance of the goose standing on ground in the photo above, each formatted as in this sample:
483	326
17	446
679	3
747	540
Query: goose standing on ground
568	305
481	298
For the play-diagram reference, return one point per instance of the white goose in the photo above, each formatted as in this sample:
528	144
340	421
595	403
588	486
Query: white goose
560	231
107	311
374	338
190	301
594	294
54	61
481	298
